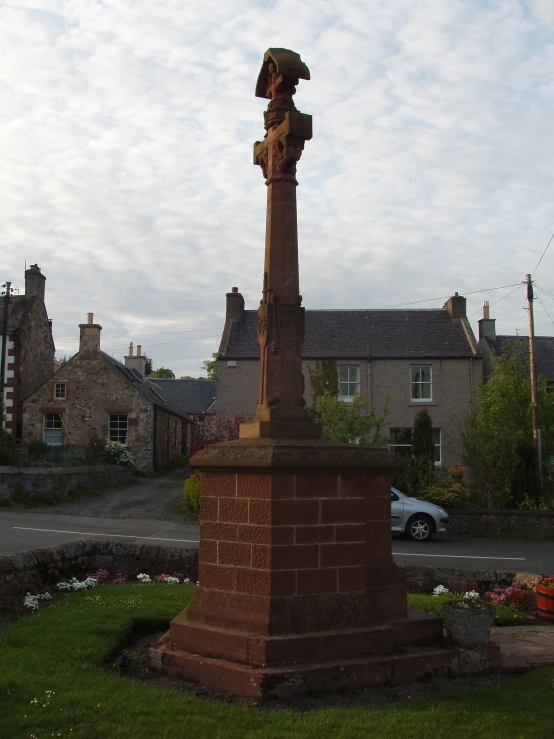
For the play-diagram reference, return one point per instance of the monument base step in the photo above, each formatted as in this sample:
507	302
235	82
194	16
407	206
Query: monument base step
289	681
258	650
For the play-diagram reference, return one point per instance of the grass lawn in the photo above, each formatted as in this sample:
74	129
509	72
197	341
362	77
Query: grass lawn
62	647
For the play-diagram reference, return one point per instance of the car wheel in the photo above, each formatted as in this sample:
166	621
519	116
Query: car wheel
420	527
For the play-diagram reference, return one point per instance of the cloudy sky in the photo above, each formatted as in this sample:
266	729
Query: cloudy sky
126	132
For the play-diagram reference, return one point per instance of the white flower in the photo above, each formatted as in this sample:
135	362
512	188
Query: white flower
33	601
471	595
440	590
172	580
142	577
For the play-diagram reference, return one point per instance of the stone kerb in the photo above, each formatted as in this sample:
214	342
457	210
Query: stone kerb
35	481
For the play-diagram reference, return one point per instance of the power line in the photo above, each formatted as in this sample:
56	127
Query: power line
544	252
445	297
164	333
499	299
544	309
165	343
544	291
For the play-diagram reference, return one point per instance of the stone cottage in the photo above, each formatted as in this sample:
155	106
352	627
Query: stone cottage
94	394
420	358
26	346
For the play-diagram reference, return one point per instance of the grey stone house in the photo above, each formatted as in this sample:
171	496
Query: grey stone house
492	345
28	354
422	358
93	393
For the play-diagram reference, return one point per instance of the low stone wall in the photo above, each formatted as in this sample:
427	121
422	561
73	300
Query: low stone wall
41	568
36	483
486	522
423	579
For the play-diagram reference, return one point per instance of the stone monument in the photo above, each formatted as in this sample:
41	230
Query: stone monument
297	586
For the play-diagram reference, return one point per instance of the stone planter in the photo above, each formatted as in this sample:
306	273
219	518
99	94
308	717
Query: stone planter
468	627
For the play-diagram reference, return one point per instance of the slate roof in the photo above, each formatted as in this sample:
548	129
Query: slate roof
194	396
17	306
343	334
146	388
544	351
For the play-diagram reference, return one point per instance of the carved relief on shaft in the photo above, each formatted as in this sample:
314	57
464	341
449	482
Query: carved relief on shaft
280	322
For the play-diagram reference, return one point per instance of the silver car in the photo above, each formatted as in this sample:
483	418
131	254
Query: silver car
416	518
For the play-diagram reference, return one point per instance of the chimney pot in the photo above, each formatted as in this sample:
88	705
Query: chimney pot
90	338
456	306
34	282
139	350
486	312
235	306
131	349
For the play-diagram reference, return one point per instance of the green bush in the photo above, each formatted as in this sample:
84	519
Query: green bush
191	501
447	493
96	447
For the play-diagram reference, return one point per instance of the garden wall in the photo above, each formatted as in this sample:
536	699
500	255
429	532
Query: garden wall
486	522
25	484
40	568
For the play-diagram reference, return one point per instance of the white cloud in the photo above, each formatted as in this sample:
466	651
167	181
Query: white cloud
127	127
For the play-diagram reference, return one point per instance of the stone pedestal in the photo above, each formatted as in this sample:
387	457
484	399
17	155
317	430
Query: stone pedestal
297	580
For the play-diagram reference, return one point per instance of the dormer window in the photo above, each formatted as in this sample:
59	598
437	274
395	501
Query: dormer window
59	391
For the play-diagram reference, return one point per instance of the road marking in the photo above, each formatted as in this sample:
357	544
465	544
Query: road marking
96	533
455	556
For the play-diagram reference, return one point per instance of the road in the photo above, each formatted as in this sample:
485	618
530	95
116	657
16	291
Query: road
23	530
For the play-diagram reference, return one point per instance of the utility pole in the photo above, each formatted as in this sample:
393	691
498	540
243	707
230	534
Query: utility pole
8	287
534	401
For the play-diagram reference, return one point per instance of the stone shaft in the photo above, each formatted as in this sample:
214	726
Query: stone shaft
280	410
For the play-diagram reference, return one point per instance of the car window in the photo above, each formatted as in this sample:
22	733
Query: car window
394	496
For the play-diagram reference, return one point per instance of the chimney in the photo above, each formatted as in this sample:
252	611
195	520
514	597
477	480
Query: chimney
138	362
89	340
235	306
34	282
487	325
456	306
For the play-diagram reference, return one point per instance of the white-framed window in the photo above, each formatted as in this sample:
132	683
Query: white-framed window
59	391
401	442
52	429
421	385
349	381
117	427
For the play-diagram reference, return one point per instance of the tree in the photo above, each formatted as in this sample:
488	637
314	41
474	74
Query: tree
324	378
209	366
422	435
163	373
419	473
497	433
148	367
354	423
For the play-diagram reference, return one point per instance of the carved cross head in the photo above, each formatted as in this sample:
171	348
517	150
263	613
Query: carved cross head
280	73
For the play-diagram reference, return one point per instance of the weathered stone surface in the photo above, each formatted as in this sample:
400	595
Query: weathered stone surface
45	567
485	522
31	481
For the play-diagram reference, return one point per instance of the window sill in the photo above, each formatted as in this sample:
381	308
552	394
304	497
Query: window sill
422	402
